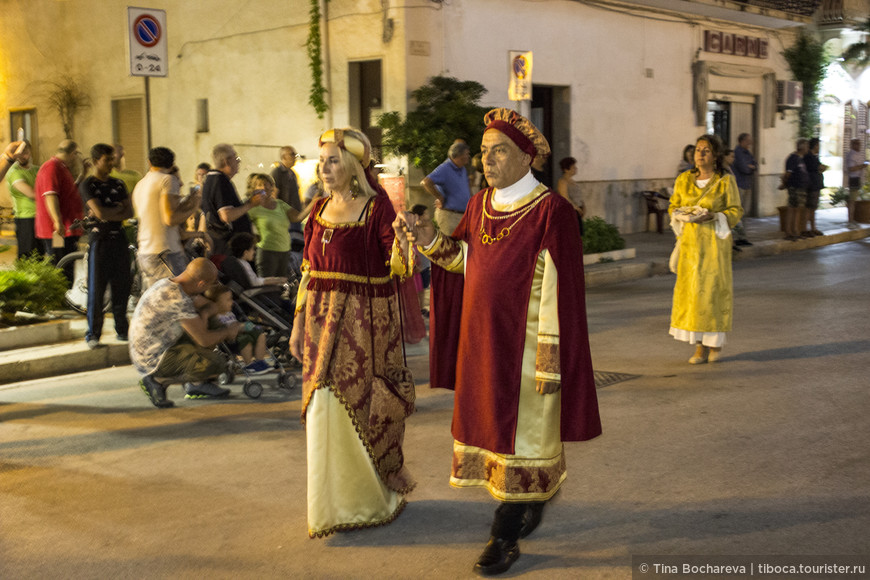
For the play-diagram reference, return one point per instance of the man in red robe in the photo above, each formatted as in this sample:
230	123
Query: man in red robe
509	335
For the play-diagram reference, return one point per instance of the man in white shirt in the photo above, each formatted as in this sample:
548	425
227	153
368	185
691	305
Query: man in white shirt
161	211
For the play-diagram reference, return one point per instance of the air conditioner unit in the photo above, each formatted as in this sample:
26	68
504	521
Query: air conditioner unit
789	94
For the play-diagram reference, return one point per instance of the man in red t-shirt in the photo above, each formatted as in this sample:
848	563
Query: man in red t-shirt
58	202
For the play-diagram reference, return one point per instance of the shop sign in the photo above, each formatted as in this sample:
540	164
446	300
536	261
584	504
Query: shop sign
736	44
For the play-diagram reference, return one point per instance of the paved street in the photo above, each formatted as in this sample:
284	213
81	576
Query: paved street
763	453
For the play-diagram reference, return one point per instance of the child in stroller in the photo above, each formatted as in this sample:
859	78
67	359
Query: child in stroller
250	343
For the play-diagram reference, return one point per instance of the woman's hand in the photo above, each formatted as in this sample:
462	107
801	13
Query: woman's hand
297	336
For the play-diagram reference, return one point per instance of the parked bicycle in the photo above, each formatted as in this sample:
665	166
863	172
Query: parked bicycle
77	296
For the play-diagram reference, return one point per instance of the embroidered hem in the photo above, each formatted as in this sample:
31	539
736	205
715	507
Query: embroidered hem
507	477
359	526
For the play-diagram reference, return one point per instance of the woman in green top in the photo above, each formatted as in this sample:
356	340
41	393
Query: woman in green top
272	220
21	179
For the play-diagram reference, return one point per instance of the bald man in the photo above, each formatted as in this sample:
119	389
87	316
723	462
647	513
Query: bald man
169	337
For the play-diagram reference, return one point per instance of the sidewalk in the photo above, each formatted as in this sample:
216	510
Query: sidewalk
653	250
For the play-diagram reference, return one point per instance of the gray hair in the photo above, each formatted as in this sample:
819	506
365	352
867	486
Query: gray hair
458	149
220	153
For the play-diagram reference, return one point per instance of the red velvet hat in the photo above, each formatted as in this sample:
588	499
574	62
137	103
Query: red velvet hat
519	130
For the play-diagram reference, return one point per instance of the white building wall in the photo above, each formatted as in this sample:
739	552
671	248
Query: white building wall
628	77
630	83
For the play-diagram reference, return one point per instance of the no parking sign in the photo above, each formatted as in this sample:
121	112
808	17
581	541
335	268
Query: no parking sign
148	46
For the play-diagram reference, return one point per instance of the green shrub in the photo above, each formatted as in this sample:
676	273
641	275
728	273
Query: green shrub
600	236
34	285
839	195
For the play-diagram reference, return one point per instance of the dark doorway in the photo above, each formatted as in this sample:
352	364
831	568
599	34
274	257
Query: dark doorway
366	100
719	120
542	117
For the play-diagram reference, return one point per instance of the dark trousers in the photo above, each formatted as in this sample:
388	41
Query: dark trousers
70	245
108	266
508	520
25	234
271	263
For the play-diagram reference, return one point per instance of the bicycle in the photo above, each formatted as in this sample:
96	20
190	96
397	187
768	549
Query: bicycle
77	296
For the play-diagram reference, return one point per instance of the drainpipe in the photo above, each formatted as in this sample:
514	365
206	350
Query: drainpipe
327	63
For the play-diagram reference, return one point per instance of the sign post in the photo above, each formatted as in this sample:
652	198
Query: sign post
149	53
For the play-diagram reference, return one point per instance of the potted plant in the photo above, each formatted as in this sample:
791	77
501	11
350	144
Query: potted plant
862	205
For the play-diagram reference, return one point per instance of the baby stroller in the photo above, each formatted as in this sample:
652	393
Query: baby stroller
235	365
270	307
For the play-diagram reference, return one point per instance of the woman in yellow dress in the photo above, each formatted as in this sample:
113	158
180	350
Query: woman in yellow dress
704	207
356	390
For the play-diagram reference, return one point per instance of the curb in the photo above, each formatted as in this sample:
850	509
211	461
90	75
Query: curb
59	359
35	334
781	246
614	273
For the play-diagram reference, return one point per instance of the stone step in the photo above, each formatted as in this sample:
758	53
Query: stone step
36	334
59	359
54	348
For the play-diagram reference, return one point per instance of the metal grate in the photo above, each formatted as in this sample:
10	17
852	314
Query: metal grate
605	378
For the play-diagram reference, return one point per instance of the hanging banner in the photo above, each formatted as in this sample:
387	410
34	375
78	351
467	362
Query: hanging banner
520	87
149	53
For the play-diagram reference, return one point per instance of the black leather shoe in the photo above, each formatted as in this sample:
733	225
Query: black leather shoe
531	519
497	557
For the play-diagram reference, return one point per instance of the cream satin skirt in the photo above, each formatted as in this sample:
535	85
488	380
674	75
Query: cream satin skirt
344	490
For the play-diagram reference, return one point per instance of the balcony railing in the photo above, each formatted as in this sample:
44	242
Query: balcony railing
800	7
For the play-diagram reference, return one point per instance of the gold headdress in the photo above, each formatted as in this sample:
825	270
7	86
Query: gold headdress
350	140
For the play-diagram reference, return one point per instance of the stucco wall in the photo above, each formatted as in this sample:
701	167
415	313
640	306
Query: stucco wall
630	84
247	58
628	77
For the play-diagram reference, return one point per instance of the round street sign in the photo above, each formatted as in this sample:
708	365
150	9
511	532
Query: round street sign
147	30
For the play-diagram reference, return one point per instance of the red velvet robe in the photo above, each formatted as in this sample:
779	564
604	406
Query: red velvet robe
478	325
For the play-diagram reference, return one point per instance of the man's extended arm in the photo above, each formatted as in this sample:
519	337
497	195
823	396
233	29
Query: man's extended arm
229	214
8	157
25	189
430	188
198	330
173	209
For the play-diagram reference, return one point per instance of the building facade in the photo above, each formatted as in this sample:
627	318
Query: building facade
621	86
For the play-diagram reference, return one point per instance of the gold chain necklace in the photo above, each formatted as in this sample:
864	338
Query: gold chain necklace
505	232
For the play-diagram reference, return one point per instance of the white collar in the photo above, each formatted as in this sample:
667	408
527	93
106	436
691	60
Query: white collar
516	191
